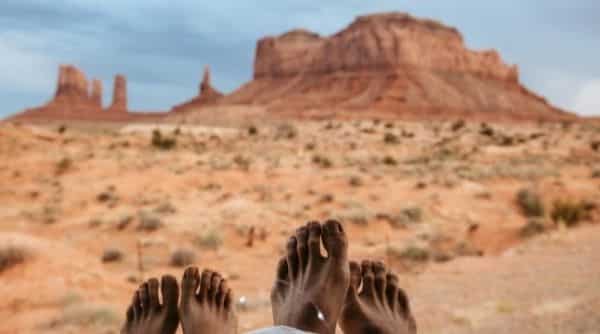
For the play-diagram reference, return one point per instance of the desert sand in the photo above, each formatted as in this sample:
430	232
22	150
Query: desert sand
88	211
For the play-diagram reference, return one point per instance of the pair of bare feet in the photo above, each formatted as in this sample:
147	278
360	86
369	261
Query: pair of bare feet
312	292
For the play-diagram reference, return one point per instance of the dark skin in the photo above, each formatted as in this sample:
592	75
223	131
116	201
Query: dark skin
310	288
206	304
380	306
146	315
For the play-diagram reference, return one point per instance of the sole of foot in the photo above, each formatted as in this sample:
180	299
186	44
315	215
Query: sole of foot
375	303
310	287
147	315
206	303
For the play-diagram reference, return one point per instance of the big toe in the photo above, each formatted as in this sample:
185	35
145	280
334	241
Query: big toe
335	241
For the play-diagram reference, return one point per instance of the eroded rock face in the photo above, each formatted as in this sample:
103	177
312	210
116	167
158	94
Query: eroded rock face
76	99
72	86
391	63
207	95
96	94
119	102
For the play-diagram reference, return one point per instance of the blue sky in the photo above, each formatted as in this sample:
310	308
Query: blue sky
162	46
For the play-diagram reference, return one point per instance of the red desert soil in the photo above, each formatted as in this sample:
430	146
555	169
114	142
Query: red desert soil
437	201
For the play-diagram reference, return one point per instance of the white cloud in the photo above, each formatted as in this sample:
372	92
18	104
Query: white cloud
587	100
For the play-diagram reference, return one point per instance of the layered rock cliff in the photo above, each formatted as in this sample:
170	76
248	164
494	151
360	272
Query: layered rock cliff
391	63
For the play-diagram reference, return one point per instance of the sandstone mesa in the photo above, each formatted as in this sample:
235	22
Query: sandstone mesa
390	65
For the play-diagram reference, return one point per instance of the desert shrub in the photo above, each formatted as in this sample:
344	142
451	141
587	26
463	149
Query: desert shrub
595	145
12	255
166	208
486	130
533	228
63	165
149	221
530	203
413	253
286	131
62	129
390	138
252	130
596	174
322	161
390	161
177	131
211	239
310	146
404	218
355	181
112	255
458	125
568	212
160	142
182	258
242	161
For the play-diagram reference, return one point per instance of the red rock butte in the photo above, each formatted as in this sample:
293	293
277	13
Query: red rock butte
383	65
77	99
207	95
393	64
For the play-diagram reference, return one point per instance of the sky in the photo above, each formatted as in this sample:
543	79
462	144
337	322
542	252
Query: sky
163	46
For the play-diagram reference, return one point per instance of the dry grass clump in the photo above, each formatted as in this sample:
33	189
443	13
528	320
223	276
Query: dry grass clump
390	138
530	203
182	258
211	239
63	165
149	221
12	255
161	142
571	213
112	255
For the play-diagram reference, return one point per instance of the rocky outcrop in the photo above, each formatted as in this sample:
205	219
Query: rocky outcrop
207	95
119	102
389	63
78	99
96	94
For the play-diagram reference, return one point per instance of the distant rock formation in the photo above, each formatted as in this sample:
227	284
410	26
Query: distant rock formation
76	99
96	94
207	95
119	102
393	64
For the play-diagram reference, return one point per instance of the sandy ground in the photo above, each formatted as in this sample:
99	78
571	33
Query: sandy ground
437	204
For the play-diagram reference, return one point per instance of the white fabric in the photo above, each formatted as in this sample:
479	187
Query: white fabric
278	330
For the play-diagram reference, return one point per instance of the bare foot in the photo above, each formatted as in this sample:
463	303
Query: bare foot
381	307
146	315
310	289
206	304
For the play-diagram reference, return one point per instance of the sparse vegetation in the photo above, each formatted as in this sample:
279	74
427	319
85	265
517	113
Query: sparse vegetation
161	142
182	258
112	255
569	212
211	239
596	174
252	130
390	138
389	161
532	228
322	161
148	221
530	203
12	255
64	165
